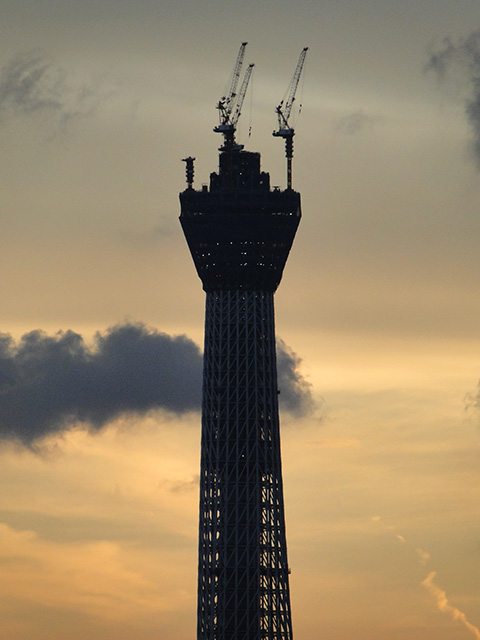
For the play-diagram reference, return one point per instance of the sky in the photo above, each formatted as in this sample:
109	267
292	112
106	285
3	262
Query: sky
102	311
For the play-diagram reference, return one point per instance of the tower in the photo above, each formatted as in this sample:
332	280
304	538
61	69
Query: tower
239	232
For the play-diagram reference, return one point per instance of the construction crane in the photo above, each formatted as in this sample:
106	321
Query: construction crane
230	106
283	112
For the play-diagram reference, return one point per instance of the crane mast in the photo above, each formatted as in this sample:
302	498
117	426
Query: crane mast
283	112
230	106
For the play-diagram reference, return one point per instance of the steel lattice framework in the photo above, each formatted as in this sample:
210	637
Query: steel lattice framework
240	233
243	569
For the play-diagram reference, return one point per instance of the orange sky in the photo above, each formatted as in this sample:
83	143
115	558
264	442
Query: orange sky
379	300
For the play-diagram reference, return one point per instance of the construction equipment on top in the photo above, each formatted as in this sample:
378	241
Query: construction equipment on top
283	112
230	106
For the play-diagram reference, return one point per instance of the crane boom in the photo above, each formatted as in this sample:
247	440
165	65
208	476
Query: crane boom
236	77
226	104
284	110
241	94
283	113
230	106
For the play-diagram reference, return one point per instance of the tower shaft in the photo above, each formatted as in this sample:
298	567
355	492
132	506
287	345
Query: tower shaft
243	587
240	233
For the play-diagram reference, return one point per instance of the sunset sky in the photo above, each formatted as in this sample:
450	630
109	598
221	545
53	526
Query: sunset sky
378	310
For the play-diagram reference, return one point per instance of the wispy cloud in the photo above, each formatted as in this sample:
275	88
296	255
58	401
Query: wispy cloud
423	556
32	84
465	56
438	594
184	486
354	122
472	400
443	605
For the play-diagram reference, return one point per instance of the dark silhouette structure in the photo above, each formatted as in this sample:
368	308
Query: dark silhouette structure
240	232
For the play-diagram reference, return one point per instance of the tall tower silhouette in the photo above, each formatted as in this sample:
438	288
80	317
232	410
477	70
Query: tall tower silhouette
239	232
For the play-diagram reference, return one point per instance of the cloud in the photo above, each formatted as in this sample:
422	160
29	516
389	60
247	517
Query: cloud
354	122
295	391
184	486
49	383
30	83
440	60
443	605
423	556
438	594
472	400
464	55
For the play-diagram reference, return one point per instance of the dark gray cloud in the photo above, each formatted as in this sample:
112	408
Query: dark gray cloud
49	383
295	391
441	59
31	83
465	55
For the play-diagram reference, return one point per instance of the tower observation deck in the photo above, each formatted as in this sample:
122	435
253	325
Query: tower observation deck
239	232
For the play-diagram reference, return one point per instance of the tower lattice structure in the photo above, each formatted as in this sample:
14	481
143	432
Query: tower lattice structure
240	232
